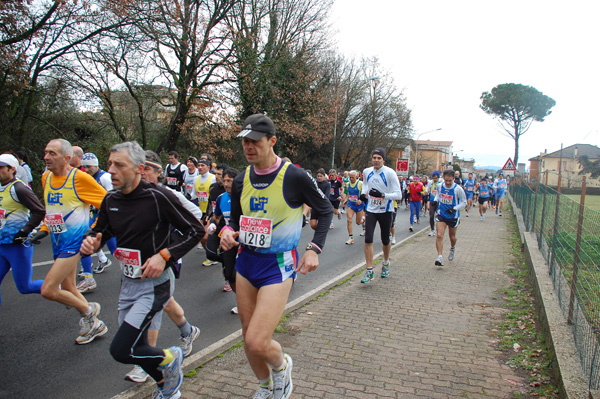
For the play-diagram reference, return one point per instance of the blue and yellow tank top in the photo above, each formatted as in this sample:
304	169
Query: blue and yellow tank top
448	200
13	214
67	216
268	223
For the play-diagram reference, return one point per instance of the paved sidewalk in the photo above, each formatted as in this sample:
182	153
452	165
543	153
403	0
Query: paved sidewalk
424	332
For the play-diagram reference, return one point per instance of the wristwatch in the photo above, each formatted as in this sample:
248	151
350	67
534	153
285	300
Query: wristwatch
311	247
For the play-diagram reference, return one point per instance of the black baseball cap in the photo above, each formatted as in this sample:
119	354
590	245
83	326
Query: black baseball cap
256	126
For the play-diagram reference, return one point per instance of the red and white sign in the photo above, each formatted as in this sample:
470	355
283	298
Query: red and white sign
55	223
509	165
402	166
131	262
255	231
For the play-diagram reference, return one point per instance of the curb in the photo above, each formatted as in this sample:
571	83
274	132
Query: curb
141	391
567	367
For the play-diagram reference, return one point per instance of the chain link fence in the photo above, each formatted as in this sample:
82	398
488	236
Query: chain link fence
568	235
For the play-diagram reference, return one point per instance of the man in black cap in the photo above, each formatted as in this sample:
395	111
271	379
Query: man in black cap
266	217
380	187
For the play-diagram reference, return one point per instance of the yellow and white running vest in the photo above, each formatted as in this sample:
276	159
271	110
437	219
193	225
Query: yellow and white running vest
13	214
268	218
67	216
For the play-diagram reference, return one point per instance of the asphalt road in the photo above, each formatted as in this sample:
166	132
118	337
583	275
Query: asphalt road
40	358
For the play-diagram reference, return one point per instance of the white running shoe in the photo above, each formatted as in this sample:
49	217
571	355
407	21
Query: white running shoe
208	262
439	261
481	218
159	394
87	284
363	233
137	374
467	214
393	240
234	310
331	226
451	254
186	342
98	329
350	241
172	373
263	393
282	380
431	233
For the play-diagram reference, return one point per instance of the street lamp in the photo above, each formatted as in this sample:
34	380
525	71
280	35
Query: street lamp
373	80
417	146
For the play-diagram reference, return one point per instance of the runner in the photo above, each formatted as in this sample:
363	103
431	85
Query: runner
20	213
382	187
21	157
457	178
270	192
484	196
433	186
76	159
175	172
220	219
469	186
451	199
212	240
152	173
354	204
202	186
89	163
140	215
68	193
325	186
425	202
345	181
416	189
499	190
335	193
189	180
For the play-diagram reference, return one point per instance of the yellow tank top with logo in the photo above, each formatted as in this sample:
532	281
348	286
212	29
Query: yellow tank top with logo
268	223
13	214
67	216
202	190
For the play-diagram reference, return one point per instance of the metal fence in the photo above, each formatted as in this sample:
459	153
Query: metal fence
568	235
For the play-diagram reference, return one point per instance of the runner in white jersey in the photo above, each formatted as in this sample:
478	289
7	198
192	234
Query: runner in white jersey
189	178
381	187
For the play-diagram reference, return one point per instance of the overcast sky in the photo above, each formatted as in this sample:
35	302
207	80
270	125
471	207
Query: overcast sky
444	54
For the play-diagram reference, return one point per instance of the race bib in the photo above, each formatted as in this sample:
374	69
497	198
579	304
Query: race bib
255	231
55	223
353	198
189	188
172	181
332	191
2	217
202	196
377	201
131	262
469	188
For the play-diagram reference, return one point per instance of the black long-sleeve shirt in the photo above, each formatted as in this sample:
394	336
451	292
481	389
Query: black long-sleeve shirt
298	189
141	220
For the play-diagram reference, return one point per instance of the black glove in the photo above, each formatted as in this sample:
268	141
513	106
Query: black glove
450	211
20	237
35	238
376	193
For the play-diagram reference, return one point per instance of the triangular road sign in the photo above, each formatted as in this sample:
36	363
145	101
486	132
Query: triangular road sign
509	165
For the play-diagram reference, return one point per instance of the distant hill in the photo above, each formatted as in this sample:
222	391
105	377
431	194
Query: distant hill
489	167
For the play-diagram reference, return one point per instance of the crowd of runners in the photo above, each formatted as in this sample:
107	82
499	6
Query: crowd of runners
149	216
